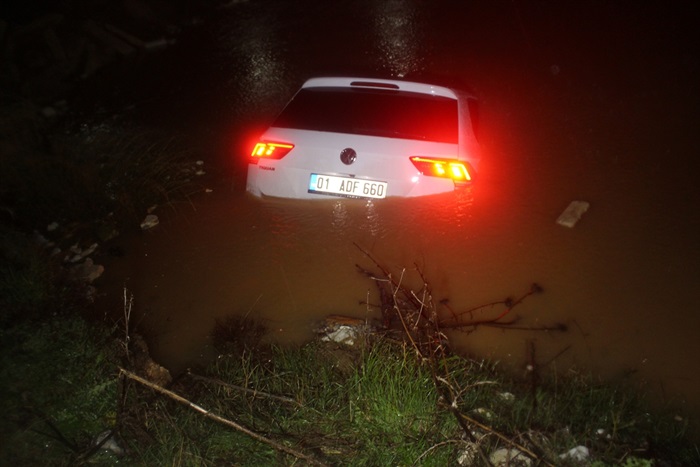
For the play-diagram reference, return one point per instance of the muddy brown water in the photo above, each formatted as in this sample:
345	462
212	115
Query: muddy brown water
595	104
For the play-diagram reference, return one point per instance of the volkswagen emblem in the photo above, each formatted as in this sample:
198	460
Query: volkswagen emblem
348	156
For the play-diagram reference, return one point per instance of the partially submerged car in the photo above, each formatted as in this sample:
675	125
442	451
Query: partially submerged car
367	138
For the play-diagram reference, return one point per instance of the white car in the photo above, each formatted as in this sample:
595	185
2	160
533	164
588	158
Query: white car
367	138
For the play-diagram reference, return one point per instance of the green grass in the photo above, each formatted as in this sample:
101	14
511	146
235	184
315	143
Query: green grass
380	406
372	410
58	390
377	404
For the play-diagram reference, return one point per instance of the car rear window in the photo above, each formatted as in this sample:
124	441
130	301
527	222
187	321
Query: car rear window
394	114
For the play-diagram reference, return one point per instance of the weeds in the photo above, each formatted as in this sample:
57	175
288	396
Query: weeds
325	404
384	409
58	390
57	373
86	176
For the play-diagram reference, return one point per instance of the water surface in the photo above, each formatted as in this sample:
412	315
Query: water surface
595	103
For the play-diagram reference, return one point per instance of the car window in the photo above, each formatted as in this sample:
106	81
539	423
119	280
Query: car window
372	112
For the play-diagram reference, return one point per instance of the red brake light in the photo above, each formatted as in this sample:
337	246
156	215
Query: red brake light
446	168
269	150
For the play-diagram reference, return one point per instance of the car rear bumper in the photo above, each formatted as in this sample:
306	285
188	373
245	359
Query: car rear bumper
291	183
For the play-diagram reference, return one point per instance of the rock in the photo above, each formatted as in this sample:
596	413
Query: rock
87	271
149	222
509	458
159	43
39	239
145	366
577	454
106	440
486	414
468	455
80	254
506	396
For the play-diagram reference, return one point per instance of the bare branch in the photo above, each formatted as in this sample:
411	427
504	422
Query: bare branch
217	418
253	392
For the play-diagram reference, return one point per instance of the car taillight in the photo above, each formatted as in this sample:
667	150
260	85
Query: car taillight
446	168
267	150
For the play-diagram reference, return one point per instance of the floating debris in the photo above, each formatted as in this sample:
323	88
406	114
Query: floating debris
343	329
572	214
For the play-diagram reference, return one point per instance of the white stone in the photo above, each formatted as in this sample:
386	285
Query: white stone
468	455
109	443
509	458
578	454
506	396
486	413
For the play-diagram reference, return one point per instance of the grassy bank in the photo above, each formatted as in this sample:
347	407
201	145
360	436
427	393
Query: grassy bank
380	405
320	404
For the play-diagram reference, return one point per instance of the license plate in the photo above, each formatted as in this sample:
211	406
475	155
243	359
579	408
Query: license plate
347	186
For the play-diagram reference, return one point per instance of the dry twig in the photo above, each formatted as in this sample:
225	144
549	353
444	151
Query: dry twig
422	327
222	420
253	392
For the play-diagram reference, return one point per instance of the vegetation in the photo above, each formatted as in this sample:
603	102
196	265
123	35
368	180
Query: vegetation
58	369
93	175
378	405
59	390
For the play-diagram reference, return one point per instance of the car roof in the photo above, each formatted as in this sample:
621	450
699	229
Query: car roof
379	83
